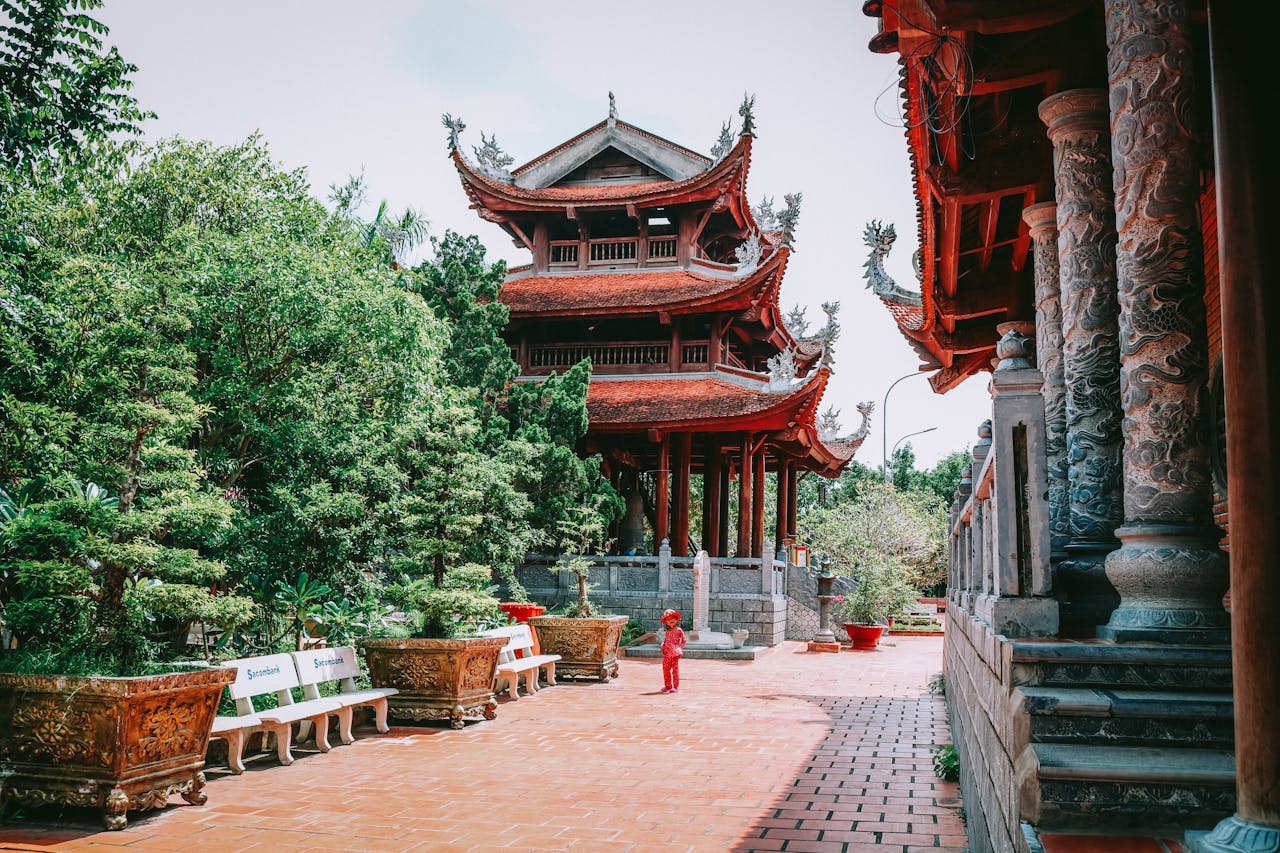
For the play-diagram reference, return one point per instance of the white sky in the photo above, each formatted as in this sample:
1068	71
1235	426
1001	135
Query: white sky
341	87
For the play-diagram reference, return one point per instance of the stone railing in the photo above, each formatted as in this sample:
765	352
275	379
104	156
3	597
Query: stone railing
999	569
661	573
744	592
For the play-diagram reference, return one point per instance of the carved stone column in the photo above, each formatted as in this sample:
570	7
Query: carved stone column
1077	121
1042	219
1169	572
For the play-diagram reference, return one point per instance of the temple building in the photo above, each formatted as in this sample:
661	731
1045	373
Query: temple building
1091	243
648	260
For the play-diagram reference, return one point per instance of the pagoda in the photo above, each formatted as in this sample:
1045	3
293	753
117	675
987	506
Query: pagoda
648	260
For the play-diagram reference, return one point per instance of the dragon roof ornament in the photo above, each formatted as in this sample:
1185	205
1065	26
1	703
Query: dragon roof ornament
724	144
749	253
492	160
782	370
747	111
455	126
829	332
789	217
879	238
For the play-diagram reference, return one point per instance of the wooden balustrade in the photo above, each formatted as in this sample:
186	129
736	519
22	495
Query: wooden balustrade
613	250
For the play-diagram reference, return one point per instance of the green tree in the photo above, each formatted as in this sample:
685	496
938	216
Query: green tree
59	92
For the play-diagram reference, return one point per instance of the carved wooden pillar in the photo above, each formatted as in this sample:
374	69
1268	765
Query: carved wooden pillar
1247	224
714	519
680	525
713	344
1042	219
757	504
1168	570
746	467
1077	121
661	498
792	489
783	511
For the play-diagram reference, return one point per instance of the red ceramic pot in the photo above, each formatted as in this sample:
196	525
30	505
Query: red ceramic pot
864	637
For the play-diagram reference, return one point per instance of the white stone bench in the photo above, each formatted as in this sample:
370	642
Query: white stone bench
511	666
339	664
259	676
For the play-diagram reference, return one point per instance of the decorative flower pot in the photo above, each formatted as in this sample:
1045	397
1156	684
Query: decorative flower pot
587	647
437	679
110	743
864	637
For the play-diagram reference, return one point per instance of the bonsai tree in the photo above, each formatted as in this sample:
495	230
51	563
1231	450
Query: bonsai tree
881	591
461	606
582	532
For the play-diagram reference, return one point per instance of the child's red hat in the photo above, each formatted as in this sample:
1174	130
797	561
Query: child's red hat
669	614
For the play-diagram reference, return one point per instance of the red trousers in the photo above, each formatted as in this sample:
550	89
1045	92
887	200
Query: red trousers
670	672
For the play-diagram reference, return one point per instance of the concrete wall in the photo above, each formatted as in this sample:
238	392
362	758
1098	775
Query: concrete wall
977	664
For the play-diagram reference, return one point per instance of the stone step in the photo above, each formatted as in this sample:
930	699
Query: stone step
1098	663
1127	717
1103	787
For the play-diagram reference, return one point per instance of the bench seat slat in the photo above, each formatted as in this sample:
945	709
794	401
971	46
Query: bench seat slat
299	711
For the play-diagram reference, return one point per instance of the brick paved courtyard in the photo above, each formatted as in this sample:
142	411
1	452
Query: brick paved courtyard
794	751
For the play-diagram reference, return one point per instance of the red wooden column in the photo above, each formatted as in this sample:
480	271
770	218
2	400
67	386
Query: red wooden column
1247	226
680	523
791	500
713	518
661	500
757	505
722	534
784	511
746	466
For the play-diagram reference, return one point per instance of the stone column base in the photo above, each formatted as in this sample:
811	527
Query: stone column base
1234	835
1019	617
1171	579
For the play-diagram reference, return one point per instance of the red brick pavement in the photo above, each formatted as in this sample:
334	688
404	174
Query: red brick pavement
794	751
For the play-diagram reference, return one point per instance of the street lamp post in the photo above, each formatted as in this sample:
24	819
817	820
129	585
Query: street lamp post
899	441
884	425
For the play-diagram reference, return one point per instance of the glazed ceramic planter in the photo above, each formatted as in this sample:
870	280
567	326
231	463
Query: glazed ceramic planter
437	679
587	647
110	743
864	637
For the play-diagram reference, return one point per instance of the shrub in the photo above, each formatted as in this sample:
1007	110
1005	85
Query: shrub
946	762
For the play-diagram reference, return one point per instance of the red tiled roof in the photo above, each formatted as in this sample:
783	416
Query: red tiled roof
641	290
652	289
720	178
653	401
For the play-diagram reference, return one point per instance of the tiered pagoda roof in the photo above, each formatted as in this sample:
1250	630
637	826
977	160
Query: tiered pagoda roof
561	190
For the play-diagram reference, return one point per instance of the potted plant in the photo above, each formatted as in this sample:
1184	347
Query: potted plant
586	640
98	591
881	591
441	669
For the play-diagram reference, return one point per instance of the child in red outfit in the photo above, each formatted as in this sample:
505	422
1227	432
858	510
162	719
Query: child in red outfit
672	650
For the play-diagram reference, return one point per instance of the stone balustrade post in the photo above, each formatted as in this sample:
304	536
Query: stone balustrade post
1169	572
766	568
1018	600
664	566
1078	128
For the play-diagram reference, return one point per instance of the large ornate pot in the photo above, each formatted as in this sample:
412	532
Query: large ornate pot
110	743
587	646
437	679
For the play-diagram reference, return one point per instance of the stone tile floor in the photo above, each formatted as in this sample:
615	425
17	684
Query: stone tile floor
794	751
